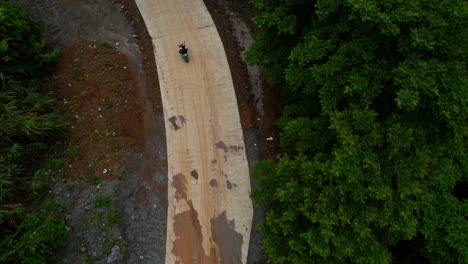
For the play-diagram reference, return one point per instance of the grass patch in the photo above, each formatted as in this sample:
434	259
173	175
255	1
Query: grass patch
103	202
73	151
114	217
108	104
100	56
98	215
109	133
94	180
87	259
105	45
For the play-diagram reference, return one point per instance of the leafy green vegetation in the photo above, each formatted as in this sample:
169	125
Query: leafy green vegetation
374	131
36	238
105	45
29	127
23	51
103	202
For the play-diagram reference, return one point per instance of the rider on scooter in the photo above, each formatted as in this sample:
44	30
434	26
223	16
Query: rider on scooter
183	48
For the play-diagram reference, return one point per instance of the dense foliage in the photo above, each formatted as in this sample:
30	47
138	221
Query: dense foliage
23	51
374	130
28	126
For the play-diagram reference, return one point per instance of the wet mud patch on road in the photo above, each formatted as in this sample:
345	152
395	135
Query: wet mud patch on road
228	240
213	183
187	225
180	184
222	146
194	174
228	185
174	124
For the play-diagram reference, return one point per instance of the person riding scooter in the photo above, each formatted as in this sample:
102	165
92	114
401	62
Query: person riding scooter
183	48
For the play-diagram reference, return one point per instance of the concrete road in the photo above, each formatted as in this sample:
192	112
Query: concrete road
210	211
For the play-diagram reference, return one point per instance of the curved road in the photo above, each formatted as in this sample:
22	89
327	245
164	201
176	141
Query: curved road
210	211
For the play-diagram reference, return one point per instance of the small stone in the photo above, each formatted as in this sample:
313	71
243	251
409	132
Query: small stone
270	139
141	257
83	249
114	255
104	171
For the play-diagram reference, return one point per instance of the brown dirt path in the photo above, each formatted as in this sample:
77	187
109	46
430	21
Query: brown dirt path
210	211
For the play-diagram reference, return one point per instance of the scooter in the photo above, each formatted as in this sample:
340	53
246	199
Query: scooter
185	56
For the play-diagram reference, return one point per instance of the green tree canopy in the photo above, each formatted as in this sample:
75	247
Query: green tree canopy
374	129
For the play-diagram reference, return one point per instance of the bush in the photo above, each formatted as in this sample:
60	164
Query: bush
37	237
23	51
29	125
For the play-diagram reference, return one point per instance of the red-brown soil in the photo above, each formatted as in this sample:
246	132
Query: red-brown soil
96	87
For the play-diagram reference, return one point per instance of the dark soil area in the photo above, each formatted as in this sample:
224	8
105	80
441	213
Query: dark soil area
115	192
96	87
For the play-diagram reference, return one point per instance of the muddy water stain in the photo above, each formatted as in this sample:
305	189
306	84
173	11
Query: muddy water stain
228	240
213	183
180	184
236	148
174	124
222	146
229	184
187	246
182	120
194	174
